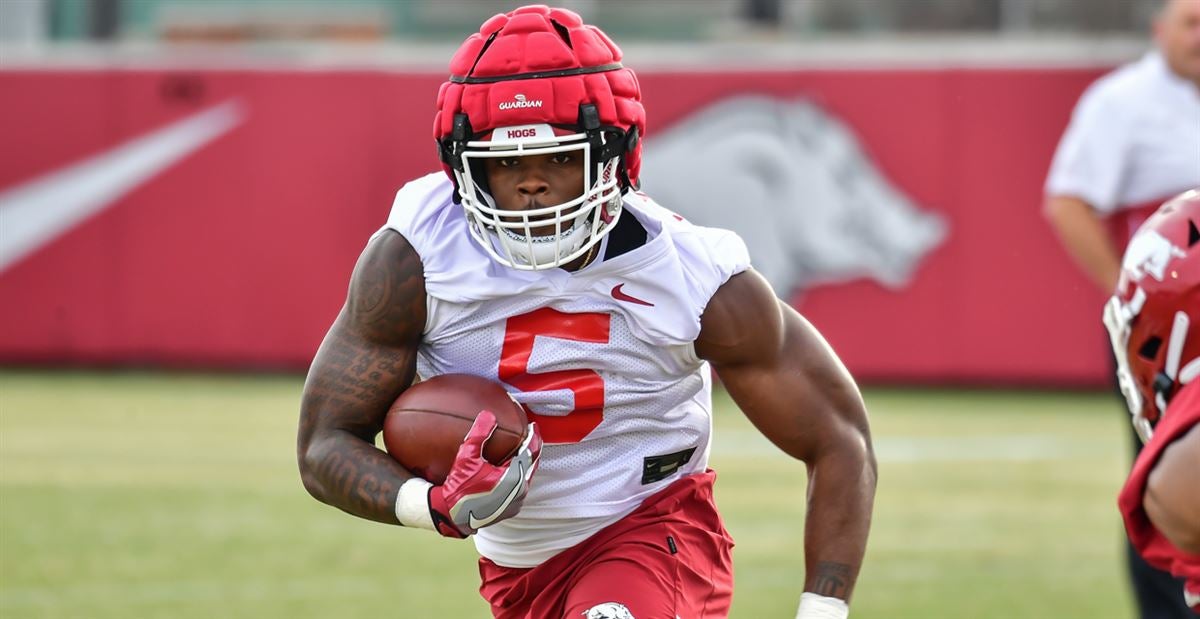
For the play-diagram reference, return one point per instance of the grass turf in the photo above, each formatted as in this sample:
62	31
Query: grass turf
174	495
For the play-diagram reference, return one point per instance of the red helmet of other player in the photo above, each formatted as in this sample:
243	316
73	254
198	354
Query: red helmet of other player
1153	317
536	81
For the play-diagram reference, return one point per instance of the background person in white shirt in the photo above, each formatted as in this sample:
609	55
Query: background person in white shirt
1132	143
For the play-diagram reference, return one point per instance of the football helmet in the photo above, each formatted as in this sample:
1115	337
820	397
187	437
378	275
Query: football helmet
536	81
1153	317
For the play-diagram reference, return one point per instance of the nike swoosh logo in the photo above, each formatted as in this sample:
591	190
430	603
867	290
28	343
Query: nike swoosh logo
43	209
621	296
477	523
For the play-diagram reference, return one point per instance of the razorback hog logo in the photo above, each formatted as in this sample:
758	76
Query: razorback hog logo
1148	254
520	101
608	610
793	181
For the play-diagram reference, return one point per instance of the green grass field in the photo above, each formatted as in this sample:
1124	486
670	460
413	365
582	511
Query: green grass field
156	495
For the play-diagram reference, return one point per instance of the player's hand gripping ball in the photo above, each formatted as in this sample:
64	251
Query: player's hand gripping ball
469	438
427	424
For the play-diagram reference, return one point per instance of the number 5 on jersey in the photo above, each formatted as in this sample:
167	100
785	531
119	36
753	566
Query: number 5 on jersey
587	385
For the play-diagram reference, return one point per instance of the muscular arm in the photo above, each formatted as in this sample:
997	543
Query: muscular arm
1081	232
366	360
1171	500
793	388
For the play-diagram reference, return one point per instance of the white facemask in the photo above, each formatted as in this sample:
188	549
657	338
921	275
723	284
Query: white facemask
508	236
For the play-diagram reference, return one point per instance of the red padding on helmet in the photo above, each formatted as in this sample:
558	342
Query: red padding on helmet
530	40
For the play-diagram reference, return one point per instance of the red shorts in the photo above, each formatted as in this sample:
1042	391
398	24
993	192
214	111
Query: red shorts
672	557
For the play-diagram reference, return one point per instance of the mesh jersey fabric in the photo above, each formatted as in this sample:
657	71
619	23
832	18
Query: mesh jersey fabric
611	381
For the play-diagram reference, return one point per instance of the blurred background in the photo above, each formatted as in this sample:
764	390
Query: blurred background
185	186
627	20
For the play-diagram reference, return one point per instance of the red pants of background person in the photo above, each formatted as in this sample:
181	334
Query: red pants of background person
669	558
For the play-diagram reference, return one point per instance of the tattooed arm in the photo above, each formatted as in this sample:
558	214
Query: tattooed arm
367	359
789	383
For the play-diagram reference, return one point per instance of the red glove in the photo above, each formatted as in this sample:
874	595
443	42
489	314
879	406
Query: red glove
477	493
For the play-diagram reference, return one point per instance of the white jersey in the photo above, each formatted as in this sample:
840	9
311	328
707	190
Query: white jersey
603	357
1133	140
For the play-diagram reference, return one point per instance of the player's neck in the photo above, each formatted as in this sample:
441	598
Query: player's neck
584	260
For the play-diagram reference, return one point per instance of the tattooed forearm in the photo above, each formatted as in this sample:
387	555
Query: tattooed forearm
831	579
347	373
341	413
367	359
356	477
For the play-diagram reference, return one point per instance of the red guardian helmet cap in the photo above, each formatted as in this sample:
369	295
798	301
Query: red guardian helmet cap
537	81
1153	317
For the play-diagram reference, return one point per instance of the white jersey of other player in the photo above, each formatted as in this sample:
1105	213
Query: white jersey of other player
602	357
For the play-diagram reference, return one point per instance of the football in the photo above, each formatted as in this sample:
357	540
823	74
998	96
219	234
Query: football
426	425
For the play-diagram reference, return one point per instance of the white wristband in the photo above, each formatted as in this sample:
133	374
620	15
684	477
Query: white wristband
412	504
813	606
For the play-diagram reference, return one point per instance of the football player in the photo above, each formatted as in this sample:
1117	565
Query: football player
533	260
1154	321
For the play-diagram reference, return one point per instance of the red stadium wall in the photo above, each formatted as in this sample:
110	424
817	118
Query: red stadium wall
238	254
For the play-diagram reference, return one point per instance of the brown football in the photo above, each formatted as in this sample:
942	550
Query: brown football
426	425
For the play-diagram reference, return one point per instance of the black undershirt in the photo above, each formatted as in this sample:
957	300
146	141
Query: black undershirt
626	236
